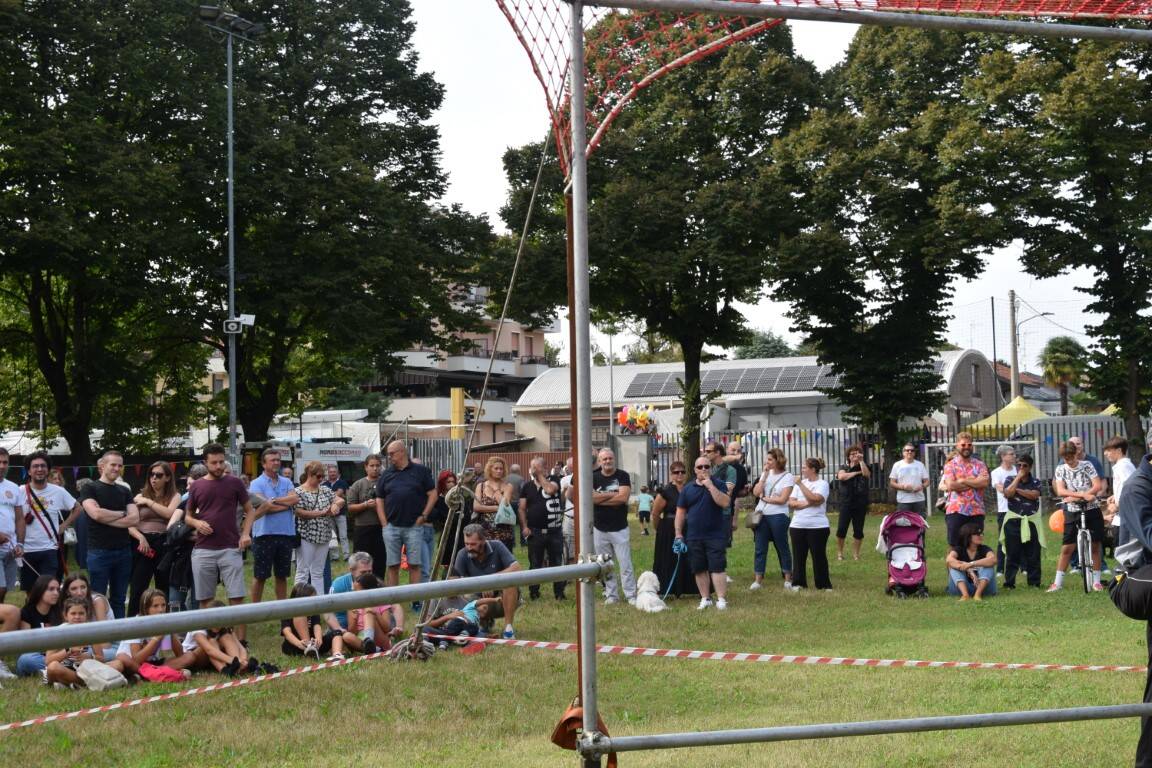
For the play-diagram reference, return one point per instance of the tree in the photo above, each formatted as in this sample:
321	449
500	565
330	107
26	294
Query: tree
1057	146
1063	361
764	344
681	211
882	235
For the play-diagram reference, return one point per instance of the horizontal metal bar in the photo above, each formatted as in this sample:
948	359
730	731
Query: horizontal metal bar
604	744
69	635
886	19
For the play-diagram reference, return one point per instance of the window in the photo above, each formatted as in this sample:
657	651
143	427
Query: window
560	435
975	380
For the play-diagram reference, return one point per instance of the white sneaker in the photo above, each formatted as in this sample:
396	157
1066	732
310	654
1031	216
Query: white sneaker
755	586
721	604
728	578
611	601
5	673
704	603
787	586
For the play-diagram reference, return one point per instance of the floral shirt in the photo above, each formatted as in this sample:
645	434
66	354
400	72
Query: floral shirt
969	501
317	530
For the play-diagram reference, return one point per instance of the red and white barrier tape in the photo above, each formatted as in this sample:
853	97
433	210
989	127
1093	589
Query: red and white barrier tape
776	658
186	692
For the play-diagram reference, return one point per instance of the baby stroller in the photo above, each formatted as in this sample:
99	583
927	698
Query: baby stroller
902	539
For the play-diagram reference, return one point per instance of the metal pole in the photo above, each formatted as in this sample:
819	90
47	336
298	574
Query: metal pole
582	362
886	19
995	376
233	454
1014	341
611	393
867	728
65	636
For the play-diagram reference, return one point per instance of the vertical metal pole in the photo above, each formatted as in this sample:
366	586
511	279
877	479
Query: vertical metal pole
582	361
611	394
995	376
234	455
1014	341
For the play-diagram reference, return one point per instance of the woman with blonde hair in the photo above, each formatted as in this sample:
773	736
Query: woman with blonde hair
314	512
491	491
157	501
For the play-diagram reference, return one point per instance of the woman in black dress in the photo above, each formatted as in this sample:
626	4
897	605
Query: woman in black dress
664	518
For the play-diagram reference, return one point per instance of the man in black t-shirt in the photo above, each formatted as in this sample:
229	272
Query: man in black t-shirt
611	489
541	521
111	512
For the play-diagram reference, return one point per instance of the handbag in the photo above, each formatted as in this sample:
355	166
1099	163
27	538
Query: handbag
1132	593
753	516
504	514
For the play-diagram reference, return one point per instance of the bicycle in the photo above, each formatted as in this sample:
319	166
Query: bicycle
1084	548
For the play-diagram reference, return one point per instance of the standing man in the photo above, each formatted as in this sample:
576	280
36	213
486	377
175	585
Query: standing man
965	479
111	512
734	457
339	486
855	477
367	535
700	521
1000	478
211	511
569	514
910	477
52	510
405	495
1136	551
541	521
11	529
1116	452
274	530
611	488
481	557
1023	533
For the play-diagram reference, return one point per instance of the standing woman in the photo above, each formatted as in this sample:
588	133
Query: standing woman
810	527
772	492
156	502
318	505
664	519
489	493
854	478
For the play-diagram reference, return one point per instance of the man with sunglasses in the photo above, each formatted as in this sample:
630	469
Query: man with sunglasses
701	523
1021	531
48	510
909	477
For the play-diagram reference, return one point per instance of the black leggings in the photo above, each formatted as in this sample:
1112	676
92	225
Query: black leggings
144	569
852	511
814	540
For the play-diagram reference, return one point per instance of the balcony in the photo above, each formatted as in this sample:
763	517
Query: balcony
438	410
476	361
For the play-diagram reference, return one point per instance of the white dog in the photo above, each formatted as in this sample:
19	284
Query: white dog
648	593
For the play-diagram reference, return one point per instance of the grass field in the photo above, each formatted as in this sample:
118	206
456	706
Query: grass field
498	708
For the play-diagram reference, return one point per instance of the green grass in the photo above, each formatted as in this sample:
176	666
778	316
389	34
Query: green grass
498	708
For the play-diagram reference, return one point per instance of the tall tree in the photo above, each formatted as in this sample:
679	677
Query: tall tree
764	344
682	212
884	236
1063	362
1058	149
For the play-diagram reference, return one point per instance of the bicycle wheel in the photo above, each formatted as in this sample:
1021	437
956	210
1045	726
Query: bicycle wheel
1084	549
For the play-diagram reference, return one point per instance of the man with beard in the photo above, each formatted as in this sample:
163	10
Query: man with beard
51	509
965	478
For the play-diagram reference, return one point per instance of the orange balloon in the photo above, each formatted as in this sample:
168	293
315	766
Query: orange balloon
1056	522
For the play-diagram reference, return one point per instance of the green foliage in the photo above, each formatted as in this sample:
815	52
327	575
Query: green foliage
764	344
883	233
1063	361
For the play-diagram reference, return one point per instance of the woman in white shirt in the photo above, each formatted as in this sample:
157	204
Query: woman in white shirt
772	491
810	527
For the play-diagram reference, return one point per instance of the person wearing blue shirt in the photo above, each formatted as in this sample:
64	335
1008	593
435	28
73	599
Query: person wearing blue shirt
274	532
701	522
405	495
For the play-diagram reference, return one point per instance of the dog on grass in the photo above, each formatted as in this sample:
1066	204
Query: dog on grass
648	593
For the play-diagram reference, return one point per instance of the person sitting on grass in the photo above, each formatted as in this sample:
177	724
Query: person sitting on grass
372	629
305	635
77	585
139	652
219	649
971	565
42	608
62	664
463	623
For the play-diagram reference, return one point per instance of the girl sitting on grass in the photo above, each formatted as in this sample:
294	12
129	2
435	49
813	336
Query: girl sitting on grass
62	664
306	635
142	651
218	649
372	629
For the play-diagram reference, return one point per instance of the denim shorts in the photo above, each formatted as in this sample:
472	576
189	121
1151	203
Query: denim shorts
411	538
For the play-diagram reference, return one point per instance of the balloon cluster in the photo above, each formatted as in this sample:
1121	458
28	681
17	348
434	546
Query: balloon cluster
637	419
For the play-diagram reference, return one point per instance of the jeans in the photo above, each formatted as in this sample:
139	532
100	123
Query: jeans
426	552
773	529
181	599
981	573
30	664
36	564
82	541
110	570
341	525
616	545
814	540
546	544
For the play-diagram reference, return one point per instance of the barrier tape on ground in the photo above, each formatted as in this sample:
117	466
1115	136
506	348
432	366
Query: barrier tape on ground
777	658
237	683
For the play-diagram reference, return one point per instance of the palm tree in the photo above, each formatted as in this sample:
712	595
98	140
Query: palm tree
1063	361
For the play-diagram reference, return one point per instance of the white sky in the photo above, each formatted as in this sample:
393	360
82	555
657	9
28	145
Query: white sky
493	101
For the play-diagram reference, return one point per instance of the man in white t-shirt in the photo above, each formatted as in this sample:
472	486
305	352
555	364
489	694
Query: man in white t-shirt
1116	452
1001	478
11	529
909	477
51	509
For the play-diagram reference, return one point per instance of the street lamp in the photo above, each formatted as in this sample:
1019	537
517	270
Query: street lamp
231	26
1015	381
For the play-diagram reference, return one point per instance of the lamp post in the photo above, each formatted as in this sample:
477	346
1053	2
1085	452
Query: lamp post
1016	341
231	26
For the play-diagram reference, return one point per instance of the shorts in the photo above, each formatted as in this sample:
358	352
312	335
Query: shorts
645	515
411	538
708	555
210	566
1095	520
272	555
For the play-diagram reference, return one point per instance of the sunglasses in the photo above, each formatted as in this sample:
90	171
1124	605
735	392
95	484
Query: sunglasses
703	466
678	471
158	475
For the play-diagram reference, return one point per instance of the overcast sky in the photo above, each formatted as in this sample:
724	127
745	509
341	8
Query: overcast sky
493	101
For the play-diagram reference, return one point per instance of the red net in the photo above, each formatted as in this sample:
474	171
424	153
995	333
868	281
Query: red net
1101	9
624	51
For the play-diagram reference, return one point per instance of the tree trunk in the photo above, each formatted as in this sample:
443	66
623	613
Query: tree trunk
1132	422
890	435
1063	399
690	429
